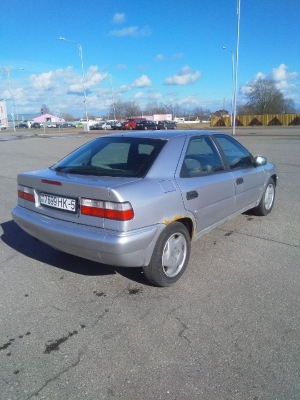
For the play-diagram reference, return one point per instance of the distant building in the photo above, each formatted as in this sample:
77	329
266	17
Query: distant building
155	117
39	118
162	117
48	118
3	113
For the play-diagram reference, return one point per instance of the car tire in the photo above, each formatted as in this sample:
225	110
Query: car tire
267	201
170	256
145	128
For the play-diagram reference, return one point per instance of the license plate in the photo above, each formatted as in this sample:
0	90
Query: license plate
61	203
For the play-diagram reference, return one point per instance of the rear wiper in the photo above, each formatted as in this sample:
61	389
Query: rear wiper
86	169
59	168
80	168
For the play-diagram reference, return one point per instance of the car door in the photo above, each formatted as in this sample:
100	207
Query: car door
248	179
207	186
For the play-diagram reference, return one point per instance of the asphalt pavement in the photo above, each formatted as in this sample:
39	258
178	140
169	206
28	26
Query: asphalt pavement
10	134
228	329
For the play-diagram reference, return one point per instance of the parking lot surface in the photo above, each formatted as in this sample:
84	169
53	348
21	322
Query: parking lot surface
229	329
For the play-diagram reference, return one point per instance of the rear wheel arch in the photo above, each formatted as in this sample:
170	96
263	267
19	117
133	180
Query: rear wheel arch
274	177
188	223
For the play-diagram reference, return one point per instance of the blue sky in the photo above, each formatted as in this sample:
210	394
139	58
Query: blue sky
169	52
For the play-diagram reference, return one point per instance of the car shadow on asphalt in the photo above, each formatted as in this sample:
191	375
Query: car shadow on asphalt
14	237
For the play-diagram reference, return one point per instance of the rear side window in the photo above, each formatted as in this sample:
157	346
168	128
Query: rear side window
201	158
237	156
116	157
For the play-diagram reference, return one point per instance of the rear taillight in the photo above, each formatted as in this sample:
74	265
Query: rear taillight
107	209
26	193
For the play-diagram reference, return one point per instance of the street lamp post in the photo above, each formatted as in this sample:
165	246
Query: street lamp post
83	78
113	97
7	71
232	83
236	63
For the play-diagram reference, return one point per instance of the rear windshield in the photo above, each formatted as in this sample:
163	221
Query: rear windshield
112	156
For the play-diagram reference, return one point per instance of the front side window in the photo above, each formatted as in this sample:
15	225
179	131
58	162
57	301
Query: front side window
115	157
201	158
237	156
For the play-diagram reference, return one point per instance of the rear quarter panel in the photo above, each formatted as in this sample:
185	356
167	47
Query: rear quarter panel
157	197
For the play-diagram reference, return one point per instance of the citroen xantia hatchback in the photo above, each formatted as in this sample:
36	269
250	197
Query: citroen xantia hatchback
138	199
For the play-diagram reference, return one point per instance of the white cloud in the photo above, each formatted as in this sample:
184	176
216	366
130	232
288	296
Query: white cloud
131	31
120	66
278	74
118	18
92	78
188	101
147	96
125	88
142	81
281	74
139	95
178	55
285	81
175	56
160	57
46	80
183	77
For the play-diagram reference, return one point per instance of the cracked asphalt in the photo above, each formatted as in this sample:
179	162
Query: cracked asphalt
229	329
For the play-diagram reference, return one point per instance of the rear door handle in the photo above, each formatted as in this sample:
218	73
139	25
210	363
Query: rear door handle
239	181
193	194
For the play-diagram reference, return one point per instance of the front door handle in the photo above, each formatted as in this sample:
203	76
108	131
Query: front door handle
193	194
239	181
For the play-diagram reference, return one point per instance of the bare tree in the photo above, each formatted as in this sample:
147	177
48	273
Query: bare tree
289	106
131	109
201	114
265	98
68	117
154	108
118	109
45	109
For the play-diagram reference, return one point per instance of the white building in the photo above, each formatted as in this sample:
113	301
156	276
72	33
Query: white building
3	113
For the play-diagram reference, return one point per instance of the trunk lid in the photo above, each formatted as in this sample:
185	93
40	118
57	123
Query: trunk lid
69	189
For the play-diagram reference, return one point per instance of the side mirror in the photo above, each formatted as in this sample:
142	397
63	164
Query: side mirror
260	160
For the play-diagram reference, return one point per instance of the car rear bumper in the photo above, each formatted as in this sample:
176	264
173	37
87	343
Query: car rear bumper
124	249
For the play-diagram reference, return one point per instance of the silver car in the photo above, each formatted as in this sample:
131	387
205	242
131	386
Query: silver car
138	199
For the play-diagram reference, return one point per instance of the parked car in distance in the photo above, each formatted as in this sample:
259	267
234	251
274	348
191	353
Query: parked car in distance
79	125
130	123
146	125
36	125
67	125
106	125
55	125
139	199
117	125
22	125
97	125
166	125
2	126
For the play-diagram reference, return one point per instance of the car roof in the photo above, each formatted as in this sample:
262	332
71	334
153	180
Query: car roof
166	134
